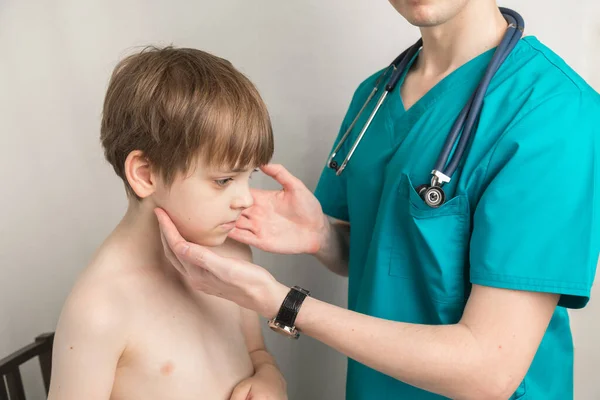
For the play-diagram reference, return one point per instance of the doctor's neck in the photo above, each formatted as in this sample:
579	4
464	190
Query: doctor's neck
478	27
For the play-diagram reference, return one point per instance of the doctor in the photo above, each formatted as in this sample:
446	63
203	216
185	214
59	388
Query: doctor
464	299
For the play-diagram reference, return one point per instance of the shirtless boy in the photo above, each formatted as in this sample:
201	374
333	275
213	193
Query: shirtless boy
184	130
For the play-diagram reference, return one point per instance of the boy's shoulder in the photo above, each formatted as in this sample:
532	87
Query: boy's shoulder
99	299
110	291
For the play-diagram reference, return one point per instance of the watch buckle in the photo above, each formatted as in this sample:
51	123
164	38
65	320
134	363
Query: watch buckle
288	331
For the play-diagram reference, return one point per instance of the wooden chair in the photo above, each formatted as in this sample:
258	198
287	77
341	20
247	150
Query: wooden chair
10	374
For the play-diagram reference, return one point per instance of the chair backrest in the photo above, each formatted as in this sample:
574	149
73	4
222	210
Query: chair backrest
11	384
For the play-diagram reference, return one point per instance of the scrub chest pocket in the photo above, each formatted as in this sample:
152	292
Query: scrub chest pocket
431	245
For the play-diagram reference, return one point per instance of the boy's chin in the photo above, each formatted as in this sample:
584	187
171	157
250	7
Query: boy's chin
209	240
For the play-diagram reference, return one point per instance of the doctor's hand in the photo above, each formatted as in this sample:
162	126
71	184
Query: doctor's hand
288	221
248	285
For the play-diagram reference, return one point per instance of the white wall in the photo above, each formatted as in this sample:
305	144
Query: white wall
59	198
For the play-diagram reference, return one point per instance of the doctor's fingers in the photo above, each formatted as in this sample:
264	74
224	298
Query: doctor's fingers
244	222
259	195
171	256
282	176
246	237
192	256
175	241
196	258
177	250
201	279
262	199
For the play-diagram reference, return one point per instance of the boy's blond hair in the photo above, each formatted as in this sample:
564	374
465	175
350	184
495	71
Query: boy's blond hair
177	104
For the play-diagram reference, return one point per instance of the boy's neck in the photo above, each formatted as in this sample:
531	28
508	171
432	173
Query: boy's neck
138	234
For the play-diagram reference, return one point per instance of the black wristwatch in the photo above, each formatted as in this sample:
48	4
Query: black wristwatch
285	319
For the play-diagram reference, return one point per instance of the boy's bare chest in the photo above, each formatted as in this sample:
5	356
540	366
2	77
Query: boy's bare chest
182	348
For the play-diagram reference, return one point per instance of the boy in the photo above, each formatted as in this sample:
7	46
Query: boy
185	131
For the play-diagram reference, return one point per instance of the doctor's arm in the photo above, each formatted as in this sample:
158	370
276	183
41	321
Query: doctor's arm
485	355
335	250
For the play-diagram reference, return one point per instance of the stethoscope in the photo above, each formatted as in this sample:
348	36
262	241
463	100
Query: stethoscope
433	194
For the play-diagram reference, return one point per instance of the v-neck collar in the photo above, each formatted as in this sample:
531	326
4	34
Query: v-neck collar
464	77
457	77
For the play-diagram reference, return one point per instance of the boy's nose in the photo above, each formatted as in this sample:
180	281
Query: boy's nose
243	200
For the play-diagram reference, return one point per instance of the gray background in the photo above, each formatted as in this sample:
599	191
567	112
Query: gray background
59	199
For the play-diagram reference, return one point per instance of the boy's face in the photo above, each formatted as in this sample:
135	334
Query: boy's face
205	203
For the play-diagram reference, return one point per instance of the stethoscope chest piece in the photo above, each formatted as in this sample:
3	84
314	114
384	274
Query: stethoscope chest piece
433	196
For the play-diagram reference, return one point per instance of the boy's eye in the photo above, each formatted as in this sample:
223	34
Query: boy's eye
223	182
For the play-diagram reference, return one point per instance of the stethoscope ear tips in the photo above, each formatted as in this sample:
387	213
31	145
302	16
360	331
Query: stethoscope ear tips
433	196
334	165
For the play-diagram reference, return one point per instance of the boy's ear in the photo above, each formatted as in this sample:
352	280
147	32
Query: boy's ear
139	174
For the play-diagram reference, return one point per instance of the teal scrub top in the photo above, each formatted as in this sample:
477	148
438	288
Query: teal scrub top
522	211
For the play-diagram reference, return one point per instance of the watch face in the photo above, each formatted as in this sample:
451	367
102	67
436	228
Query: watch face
288	331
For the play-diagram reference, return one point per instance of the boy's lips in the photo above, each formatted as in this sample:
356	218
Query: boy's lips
229	225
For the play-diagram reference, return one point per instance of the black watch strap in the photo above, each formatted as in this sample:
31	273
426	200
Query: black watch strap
291	305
